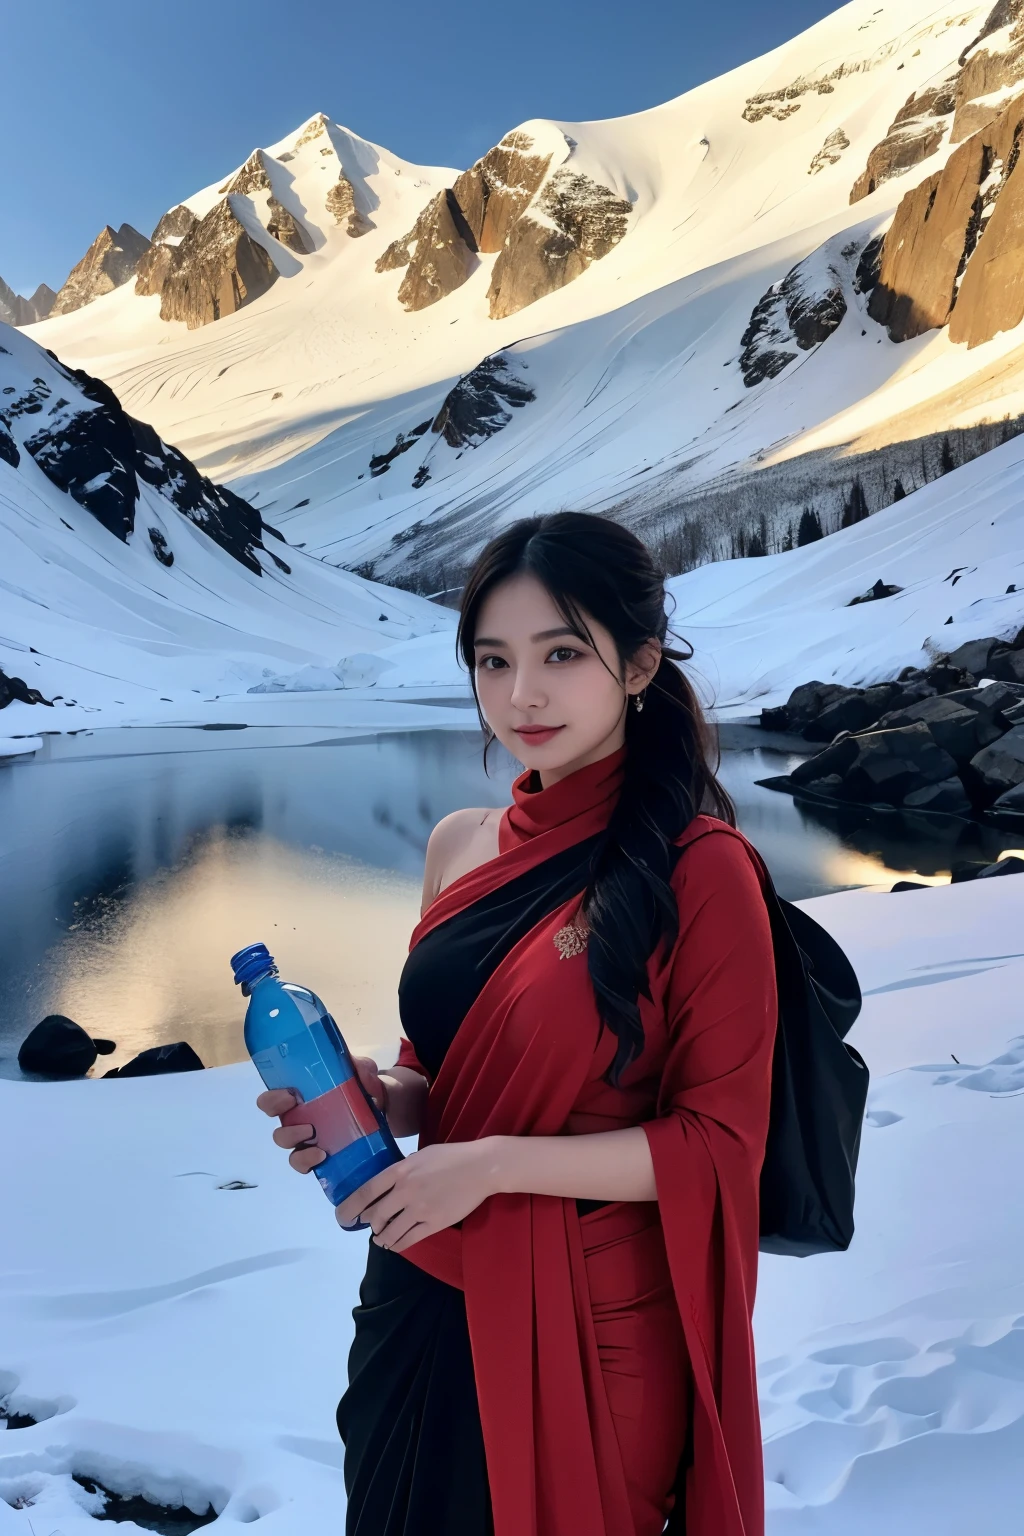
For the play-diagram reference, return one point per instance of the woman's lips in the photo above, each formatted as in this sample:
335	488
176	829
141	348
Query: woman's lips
536	735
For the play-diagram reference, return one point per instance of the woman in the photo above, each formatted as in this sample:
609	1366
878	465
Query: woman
553	1336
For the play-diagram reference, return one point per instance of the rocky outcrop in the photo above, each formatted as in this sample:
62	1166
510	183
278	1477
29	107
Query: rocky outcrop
573	222
174	224
915	133
14	690
284	226
438	252
482	402
495	191
547	229
217	269
797	313
947	746
178	1057
341	203
252	177
942	251
111	260
830	153
76	430
15	310
988	69
60	1048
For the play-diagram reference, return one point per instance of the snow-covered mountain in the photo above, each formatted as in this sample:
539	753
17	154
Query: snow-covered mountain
677	316
133	587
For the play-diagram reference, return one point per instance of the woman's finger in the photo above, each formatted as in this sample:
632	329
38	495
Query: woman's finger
384	1210
293	1135
359	1201
305	1159
276	1101
414	1234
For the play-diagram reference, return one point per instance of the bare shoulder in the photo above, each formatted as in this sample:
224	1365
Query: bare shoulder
459	843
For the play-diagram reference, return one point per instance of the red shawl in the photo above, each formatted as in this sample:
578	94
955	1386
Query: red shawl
529	1059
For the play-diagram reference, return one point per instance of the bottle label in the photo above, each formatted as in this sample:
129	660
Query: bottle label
338	1117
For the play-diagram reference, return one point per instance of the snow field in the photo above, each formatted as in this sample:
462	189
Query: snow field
187	1340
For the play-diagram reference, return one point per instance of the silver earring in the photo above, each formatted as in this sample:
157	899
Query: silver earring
638	700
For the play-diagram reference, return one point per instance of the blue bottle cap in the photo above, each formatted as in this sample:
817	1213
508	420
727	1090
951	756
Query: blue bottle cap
251	963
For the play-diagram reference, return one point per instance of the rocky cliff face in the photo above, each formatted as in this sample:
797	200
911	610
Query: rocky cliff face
111	260
284	226
15	310
496	190
253	176
216	269
947	257
75	429
439	253
340	202
546	228
574	222
994	61
915	133
174	224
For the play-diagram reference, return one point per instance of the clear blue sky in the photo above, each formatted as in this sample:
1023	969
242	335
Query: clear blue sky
117	109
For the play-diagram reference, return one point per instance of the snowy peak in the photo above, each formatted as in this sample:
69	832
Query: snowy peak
111	260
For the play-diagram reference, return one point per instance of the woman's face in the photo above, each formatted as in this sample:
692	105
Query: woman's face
555	702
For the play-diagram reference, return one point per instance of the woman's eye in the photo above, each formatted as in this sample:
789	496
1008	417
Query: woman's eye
563	653
491	663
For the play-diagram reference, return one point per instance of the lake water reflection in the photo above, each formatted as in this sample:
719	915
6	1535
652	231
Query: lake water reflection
127	882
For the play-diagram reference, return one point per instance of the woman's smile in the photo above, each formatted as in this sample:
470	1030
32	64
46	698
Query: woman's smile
537	735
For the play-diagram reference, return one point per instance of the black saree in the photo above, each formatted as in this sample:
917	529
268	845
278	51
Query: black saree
414	1452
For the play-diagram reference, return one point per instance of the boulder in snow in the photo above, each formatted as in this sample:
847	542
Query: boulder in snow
1000	767
179	1057
57	1047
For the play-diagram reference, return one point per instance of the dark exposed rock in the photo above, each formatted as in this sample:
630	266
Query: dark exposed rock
970	869
1006	665
381	462
252	177
482	402
284	226
916	133
854	711
111	260
57	1047
179	1057
160	549
973	655
216	269
1012	802
14	690
804	704
801	311
947	797
10	453
166	1519
153	269
1000	767
175	223
438	253
955	728
874	594
881	765
495	191
574	222
98	454
14	310
865	279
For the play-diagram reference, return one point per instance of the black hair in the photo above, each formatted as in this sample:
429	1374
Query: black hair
595	569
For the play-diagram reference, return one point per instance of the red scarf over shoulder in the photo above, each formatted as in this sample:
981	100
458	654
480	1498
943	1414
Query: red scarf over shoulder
529	1055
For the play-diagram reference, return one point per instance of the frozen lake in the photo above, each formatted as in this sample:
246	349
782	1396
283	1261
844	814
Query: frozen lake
126	882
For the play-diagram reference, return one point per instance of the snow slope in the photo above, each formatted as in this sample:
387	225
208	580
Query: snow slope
639	393
115	632
182	1338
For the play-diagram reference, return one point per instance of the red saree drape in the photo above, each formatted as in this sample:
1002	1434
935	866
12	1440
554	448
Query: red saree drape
529	1060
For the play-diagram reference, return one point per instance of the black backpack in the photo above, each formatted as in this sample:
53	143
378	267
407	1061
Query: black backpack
819	1091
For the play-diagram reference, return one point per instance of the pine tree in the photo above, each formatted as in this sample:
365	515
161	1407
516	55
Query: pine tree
855	507
810	527
898	492
946	459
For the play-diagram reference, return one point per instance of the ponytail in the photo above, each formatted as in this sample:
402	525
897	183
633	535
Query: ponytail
593	567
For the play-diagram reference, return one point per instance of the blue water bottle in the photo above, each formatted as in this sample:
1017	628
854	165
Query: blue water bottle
295	1044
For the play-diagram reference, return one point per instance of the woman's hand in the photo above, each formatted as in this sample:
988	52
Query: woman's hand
278	1101
432	1189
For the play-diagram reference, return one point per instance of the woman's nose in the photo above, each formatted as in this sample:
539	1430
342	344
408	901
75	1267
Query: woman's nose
528	691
